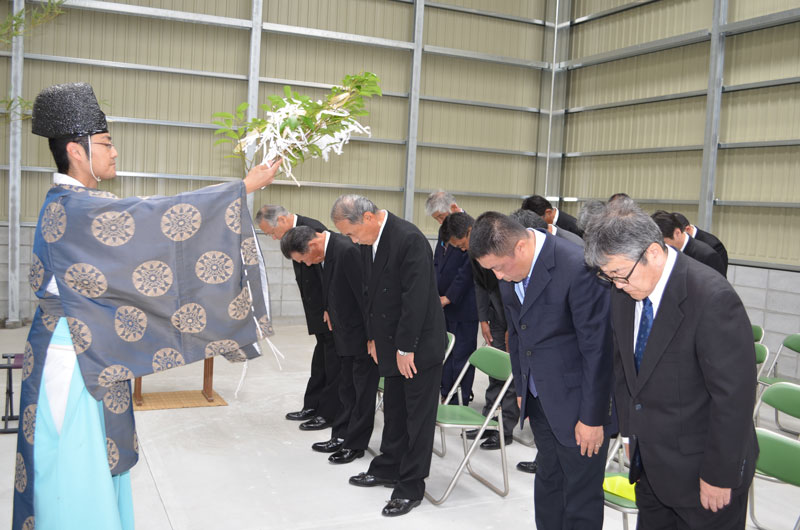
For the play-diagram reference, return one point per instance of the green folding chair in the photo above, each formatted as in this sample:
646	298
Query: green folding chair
762	352
758	333
768	376
451	341
611	496
779	457
494	363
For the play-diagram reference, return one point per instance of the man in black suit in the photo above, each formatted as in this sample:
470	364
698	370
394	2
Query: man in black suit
407	338
343	298
493	328
685	378
552	216
559	339
673	235
321	400
528	219
706	237
457	295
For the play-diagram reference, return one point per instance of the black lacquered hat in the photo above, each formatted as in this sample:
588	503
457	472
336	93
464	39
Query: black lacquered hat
66	111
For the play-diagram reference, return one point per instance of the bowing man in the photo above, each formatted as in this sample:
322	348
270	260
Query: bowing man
342	295
406	337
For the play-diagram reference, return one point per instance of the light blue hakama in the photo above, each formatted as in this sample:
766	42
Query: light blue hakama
73	487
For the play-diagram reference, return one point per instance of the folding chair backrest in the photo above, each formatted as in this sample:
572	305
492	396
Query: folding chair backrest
761	353
779	456
491	361
784	397
793	342
758	333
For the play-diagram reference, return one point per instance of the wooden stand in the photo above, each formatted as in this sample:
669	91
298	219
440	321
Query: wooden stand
208	383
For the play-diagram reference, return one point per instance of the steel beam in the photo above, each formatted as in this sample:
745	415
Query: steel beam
473	149
613	11
767	21
486	104
253	78
641	151
763	143
485	57
413	112
15	175
757	204
762	84
314	33
639	101
716	69
640	49
488	14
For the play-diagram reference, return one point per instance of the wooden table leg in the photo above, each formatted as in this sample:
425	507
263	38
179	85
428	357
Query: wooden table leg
208	379
137	391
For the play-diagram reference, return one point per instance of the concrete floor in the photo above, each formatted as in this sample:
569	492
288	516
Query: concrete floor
244	466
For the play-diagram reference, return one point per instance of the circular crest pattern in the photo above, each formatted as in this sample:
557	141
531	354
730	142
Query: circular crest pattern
113	228
36	273
114	374
214	267
29	423
54	222
27	361
118	398
167	358
181	222
29	523
100	194
233	216
266	326
130	323
249	251
239	308
152	278
21	475
113	453
86	280
190	318
77	189
235	356
219	347
81	334
49	321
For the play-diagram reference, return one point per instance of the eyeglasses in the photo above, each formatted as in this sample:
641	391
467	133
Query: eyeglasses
620	279
108	146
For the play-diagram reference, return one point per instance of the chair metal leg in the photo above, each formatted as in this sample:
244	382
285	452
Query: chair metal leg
443	451
624	521
752	501
781	427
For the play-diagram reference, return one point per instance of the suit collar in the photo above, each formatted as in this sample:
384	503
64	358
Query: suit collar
382	254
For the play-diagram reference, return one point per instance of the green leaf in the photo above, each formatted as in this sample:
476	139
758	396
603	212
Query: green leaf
287	91
223	141
222	115
242	107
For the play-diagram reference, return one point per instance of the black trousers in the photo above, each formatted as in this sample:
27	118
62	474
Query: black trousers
568	488
358	385
466	334
322	390
654	515
409	411
508	405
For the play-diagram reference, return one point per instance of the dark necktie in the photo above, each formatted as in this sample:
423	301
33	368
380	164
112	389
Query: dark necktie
525	283
645	325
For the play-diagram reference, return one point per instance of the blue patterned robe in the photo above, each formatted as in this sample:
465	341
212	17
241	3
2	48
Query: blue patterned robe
146	284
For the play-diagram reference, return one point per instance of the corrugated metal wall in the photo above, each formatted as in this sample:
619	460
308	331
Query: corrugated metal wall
752	173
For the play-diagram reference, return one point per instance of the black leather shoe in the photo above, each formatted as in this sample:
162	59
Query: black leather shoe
397	507
527	467
328	446
345	456
365	480
493	441
301	415
317	423
472	433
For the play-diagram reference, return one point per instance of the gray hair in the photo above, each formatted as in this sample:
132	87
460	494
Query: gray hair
528	219
621	229
439	201
590	211
351	208
269	214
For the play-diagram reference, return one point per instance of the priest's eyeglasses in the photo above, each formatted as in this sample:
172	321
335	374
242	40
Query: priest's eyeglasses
108	146
620	279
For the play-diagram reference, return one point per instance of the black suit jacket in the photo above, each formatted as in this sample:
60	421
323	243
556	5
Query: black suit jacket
309	280
342	276
487	296
454	280
403	309
567	222
561	337
711	240
690	407
704	254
